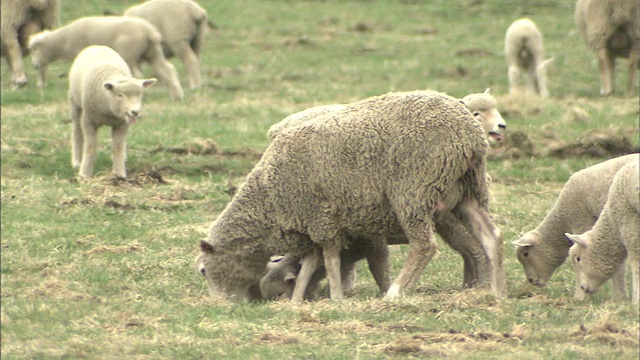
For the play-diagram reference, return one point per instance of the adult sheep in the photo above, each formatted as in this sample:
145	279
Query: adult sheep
601	252
102	92
542	250
611	28
524	51
135	39
21	18
386	168
182	24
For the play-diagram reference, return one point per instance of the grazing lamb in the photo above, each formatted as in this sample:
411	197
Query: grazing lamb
600	252
280	280
136	40
386	168
21	18
182	24
542	250
524	52
611	28
102	92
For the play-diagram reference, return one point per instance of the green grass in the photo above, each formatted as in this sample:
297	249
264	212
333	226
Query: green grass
104	269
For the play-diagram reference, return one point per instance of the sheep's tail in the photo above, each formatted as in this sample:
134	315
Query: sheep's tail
200	18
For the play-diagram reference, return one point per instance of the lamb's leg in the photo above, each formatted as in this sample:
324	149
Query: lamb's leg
14	57
634	57
89	132
635	283
422	247
532	83
348	276
605	66
119	149
168	74
490	237
191	62
42	77
77	138
514	74
378	260
308	265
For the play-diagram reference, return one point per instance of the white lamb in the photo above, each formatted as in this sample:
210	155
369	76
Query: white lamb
601	252
102	92
542	250
611	28
135	39
183	24
21	18
386	167
524	51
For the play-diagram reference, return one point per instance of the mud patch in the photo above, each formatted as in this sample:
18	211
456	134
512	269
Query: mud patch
595	144
607	332
277	338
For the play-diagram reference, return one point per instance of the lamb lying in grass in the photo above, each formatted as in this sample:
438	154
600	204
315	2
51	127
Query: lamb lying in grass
601	252
136	40
524	52
383	180
102	92
542	250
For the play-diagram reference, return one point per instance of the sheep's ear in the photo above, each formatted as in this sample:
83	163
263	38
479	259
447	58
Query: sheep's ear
290	278
148	82
583	240
529	239
487	91
206	247
109	86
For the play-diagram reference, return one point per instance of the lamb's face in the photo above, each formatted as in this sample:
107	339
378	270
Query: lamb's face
533	259
279	281
125	97
589	278
484	108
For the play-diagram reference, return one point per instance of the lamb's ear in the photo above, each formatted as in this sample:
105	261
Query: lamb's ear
583	239
290	278
529	239
148	82
206	247
109	86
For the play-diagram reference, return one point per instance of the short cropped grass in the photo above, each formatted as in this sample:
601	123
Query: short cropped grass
103	269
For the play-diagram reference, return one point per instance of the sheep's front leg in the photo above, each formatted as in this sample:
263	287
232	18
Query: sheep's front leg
309	264
332	264
422	247
119	149
77	138
619	288
89	149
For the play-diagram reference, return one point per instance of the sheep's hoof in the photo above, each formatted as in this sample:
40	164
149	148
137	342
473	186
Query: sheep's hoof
20	83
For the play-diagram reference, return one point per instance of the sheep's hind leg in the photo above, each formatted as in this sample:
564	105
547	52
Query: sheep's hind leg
191	63
605	66
14	58
77	138
309	264
332	265
634	57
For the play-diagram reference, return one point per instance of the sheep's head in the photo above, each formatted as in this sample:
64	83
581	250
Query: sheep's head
125	97
280	279
593	268
37	50
484	108
223	279
533	257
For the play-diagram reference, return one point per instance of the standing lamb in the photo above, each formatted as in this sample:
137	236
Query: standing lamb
385	169
524	52
542	250
102	92
611	28
21	18
182	24
136	40
600	252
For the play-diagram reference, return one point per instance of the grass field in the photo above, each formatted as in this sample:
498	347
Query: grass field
103	269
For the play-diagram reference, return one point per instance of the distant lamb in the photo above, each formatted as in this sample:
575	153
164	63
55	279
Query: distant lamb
102	92
524	51
611	28
182	24
542	250
136	40
384	179
601	252
20	19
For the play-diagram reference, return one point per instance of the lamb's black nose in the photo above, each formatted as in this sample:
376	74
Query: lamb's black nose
134	113
502	126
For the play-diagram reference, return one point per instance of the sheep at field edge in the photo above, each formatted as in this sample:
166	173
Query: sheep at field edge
280	279
542	250
182	24
476	268
20	19
102	92
600	252
611	28
135	39
383	170
524	51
